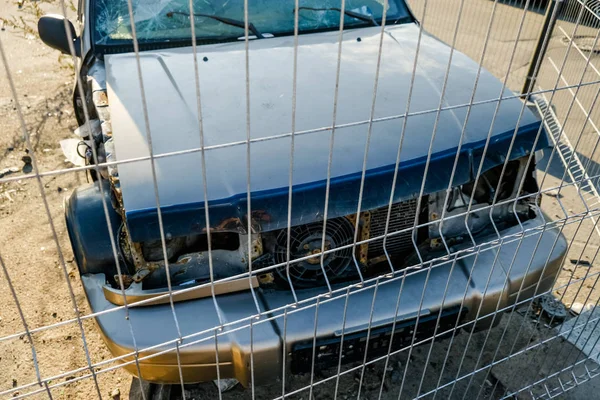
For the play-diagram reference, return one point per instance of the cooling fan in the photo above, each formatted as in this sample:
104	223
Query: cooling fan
307	240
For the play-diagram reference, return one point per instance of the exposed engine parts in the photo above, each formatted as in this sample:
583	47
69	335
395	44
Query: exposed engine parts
470	210
307	241
333	256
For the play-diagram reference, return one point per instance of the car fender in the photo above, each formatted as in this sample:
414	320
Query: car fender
88	228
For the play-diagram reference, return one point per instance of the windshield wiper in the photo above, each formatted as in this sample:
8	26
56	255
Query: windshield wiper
228	21
353	14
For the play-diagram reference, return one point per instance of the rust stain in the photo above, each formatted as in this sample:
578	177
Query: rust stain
127	280
100	98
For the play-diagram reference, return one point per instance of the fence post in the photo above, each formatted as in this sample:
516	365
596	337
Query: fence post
542	44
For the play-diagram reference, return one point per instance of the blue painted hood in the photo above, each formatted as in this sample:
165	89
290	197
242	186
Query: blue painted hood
169	82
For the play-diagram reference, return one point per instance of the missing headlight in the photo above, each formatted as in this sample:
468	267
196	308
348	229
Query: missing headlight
493	187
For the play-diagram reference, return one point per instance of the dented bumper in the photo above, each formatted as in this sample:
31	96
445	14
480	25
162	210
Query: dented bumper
509	268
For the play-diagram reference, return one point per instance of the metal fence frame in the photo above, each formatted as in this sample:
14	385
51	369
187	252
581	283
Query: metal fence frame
579	176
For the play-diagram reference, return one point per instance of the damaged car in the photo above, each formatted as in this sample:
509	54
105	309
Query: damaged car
190	185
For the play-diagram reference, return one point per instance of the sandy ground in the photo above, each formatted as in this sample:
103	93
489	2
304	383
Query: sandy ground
32	260
27	247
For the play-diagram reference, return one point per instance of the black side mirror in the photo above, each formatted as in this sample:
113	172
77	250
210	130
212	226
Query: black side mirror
52	32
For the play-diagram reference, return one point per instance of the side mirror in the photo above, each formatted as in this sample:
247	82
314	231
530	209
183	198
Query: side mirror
52	32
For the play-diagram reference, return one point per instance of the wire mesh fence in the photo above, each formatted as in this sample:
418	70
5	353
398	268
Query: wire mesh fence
350	198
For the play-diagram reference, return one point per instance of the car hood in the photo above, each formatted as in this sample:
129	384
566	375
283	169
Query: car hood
169	117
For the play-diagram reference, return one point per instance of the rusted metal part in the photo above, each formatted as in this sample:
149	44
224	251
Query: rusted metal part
116	189
260	215
266	279
137	257
100	98
115	296
125	244
257	246
127	280
144	272
236	224
132	252
435	243
310	251
365	232
233	224
139	276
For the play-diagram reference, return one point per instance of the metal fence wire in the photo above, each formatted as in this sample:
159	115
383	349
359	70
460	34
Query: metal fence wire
300	199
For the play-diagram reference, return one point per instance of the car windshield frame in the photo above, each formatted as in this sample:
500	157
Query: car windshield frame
126	45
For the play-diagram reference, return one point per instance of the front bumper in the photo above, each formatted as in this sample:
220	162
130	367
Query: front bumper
493	283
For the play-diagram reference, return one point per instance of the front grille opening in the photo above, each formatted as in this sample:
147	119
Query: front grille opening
341	265
402	218
466	211
490	181
153	251
400	245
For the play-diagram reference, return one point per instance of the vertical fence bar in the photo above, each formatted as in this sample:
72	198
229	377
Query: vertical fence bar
552	12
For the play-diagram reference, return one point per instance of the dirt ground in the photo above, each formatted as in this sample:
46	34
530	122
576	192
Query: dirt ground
40	279
27	246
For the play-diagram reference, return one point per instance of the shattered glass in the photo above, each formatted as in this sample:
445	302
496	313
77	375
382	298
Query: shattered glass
164	20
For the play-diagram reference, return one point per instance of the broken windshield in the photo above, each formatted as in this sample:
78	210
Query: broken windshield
169	20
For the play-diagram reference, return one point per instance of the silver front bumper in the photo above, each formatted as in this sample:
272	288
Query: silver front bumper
495	282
